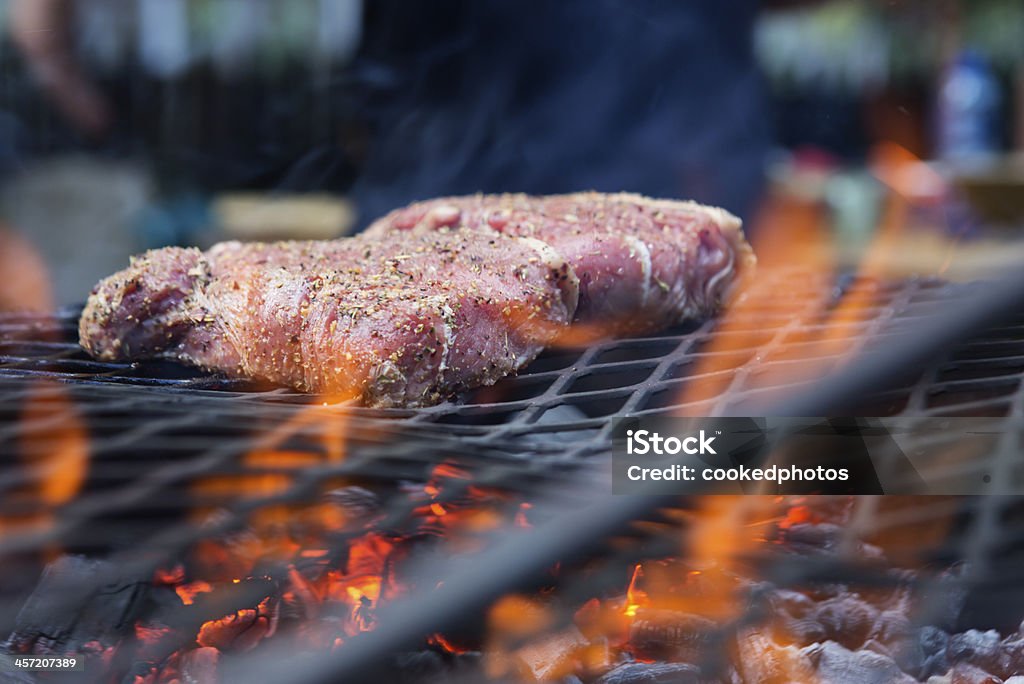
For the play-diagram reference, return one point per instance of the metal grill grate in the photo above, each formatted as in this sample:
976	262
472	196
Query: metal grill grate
153	428
156	432
633	376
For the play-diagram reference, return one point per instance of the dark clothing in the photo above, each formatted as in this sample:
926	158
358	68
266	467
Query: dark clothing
658	97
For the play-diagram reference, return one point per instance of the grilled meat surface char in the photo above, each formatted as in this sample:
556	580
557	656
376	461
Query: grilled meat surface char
643	264
404	322
433	299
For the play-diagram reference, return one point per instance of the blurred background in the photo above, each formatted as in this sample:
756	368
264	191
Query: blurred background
887	133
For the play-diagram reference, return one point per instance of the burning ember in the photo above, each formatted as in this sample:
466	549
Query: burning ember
314	576
313	579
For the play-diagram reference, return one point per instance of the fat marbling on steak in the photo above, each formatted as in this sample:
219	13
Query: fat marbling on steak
434	299
643	264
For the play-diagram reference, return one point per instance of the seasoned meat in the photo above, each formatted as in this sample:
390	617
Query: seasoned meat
643	264
434	299
399	322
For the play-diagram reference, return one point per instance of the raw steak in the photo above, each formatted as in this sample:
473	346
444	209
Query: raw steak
434	299
404	322
643	264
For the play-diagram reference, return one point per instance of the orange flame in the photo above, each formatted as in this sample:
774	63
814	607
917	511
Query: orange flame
188	592
444	643
635	598
52	444
798	259
24	280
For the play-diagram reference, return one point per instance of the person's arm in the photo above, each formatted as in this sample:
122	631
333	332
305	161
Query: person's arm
41	29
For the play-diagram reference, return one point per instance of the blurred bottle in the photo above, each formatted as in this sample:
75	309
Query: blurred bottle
969	104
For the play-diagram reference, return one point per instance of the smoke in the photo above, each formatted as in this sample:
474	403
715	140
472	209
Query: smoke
655	97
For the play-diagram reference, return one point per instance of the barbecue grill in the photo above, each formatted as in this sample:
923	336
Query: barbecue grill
171	458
